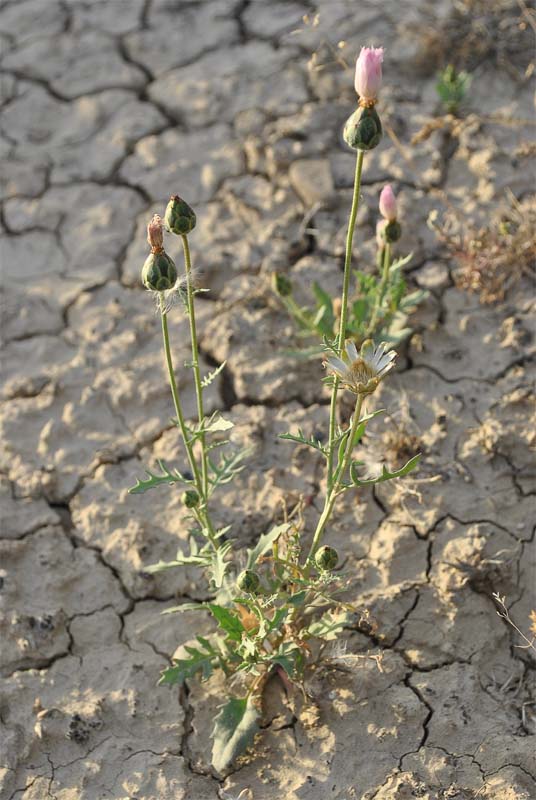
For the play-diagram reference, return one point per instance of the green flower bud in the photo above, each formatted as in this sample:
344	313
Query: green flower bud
281	284
326	558
179	217
159	272
363	129
392	231
248	581
190	498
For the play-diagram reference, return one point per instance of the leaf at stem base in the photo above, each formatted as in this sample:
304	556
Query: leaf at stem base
234	729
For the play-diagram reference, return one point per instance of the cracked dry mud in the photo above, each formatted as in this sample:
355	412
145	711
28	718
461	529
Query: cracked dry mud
108	108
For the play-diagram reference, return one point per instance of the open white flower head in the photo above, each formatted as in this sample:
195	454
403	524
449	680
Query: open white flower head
365	369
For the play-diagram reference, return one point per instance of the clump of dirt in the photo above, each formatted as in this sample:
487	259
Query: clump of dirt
491	260
479	31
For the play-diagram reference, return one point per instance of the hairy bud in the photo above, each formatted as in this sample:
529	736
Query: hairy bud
190	498
159	272
326	558
392	231
179	217
248	581
363	129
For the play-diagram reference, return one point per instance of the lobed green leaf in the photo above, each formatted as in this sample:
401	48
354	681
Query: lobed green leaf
264	543
234	729
207	380
168	476
386	475
227	621
201	659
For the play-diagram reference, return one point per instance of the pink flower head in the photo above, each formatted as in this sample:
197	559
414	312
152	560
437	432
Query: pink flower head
388	208
155	234
368	73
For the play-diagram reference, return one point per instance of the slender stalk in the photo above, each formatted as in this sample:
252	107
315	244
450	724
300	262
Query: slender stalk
344	309
184	430
195	362
348	254
332	496
381	289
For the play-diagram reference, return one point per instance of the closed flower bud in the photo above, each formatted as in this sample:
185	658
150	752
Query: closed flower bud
363	129
190	498
281	284
159	272
326	558
155	234
248	581
388	208
392	232
368	73
179	217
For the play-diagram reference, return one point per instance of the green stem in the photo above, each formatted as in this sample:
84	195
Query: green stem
332	496
344	310
381	289
183	429
195	362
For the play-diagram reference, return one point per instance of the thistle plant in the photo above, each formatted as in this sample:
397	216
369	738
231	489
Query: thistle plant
380	306
277	606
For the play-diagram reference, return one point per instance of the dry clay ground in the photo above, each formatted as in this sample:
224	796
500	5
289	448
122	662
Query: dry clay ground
109	107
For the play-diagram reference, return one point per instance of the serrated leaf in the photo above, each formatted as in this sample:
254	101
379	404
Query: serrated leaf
398	263
264	543
234	729
227	468
386	474
290	658
227	621
180	561
218	565
301	439
153	480
413	299
279	616
329	625
298	598
200	558
184	607
218	424
207	380
201	659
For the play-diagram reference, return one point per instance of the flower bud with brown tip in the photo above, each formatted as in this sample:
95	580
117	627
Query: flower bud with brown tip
159	272
179	217
363	129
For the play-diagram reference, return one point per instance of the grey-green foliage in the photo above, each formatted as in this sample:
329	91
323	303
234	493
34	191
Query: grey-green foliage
384	320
